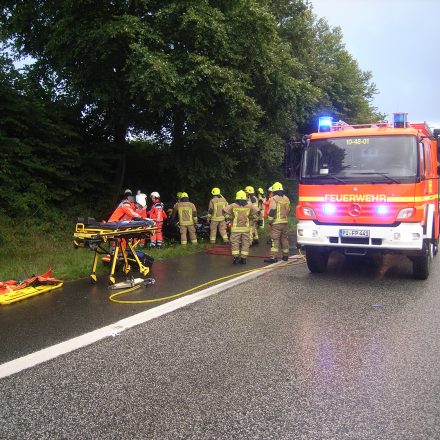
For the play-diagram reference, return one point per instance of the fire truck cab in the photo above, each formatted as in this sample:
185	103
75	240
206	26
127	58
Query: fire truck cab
368	189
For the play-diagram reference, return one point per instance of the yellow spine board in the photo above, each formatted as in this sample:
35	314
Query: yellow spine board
27	292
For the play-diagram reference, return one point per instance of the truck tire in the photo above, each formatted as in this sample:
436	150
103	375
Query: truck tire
422	264
317	259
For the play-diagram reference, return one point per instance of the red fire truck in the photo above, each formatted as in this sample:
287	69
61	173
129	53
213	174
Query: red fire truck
368	189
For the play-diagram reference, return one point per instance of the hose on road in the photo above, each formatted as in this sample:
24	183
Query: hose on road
298	259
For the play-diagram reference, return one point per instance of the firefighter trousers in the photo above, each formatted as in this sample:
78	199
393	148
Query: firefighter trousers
253	234
221	227
240	243
279	235
188	230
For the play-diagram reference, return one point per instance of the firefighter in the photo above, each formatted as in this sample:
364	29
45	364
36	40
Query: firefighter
242	213
216	217
266	205
125	210
186	213
261	199
278	219
253	234
158	214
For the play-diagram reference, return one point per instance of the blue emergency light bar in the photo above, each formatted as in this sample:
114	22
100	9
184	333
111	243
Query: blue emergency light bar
325	123
400	120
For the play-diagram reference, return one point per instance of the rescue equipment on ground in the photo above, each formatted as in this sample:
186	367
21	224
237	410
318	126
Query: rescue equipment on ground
12	291
123	236
370	188
295	260
132	282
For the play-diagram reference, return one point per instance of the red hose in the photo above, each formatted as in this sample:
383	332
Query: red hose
226	251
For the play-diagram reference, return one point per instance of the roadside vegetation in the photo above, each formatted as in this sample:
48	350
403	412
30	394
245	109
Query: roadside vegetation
158	96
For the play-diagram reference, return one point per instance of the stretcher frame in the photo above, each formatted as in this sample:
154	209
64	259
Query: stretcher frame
124	236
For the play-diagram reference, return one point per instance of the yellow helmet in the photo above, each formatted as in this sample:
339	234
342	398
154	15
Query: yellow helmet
241	195
215	191
179	195
261	190
277	186
249	190
183	194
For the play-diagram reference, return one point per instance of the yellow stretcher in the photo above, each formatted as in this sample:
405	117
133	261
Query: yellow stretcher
26	292
122	235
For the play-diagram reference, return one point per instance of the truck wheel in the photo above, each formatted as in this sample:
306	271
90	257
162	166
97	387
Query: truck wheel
317	259
422	265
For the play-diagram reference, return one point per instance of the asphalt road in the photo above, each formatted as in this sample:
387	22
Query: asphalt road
350	354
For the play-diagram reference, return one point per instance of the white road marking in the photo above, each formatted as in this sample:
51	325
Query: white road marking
112	330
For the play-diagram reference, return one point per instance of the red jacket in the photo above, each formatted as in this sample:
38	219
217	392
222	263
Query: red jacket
124	211
157	213
266	205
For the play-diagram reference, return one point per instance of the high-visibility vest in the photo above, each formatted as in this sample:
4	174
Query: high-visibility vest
236	213
282	209
217	214
185	215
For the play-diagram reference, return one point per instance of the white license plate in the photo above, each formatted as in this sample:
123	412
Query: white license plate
354	233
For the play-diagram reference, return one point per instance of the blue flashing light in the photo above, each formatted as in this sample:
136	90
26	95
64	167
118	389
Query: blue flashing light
329	209
400	120
382	210
325	123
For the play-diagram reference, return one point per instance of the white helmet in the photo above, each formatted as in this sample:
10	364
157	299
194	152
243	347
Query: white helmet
141	199
155	195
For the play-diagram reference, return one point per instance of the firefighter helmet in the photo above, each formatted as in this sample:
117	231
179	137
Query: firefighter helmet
249	190
277	186
179	195
241	195
261	190
215	191
155	195
183	195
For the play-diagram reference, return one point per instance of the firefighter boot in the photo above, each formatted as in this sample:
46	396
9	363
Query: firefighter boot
236	260
285	257
271	260
242	260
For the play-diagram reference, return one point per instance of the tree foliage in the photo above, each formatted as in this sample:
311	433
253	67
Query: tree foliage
215	88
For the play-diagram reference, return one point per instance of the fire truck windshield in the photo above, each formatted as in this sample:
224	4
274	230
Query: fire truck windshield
364	159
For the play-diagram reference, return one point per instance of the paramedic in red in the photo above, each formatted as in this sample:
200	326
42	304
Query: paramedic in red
157	214
125	210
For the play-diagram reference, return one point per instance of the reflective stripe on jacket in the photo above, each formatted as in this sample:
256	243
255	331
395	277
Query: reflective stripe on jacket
124	211
187	213
215	209
157	213
241	216
279	209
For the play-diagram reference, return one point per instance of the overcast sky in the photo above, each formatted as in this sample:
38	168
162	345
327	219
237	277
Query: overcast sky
398	41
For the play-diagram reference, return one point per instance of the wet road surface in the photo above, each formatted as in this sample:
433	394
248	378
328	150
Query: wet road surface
80	307
350	354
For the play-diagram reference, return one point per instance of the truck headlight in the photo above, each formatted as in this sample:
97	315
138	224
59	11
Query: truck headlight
405	213
309	212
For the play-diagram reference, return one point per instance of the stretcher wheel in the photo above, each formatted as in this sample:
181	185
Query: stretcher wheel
93	278
111	280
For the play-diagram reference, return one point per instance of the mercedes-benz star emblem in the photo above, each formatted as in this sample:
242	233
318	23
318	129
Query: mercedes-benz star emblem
355	210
